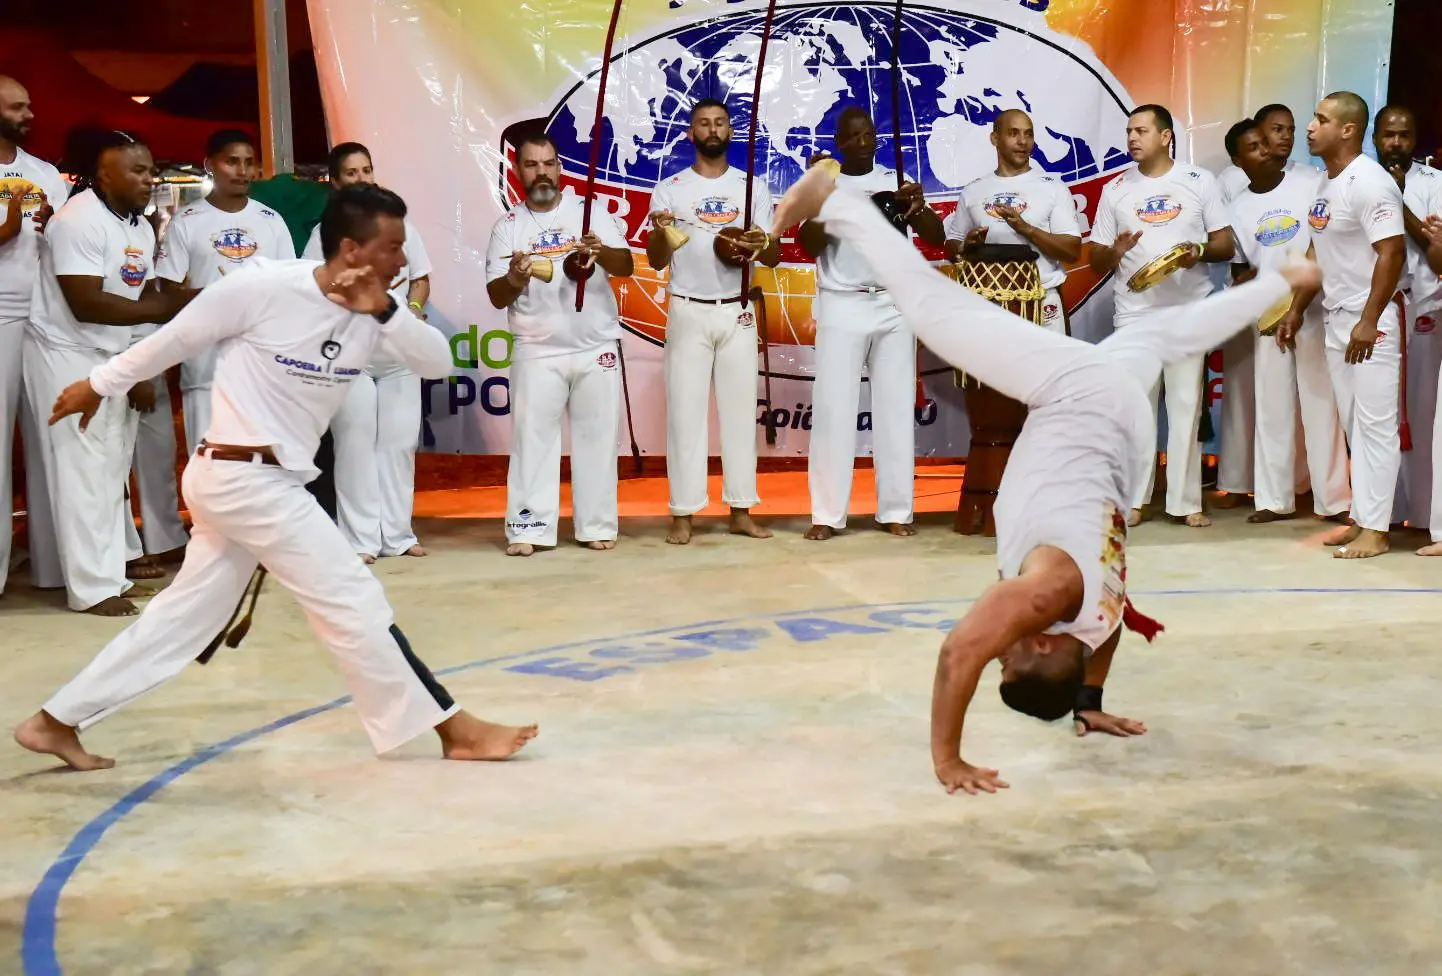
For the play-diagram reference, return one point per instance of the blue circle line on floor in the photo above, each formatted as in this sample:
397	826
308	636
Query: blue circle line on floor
37	943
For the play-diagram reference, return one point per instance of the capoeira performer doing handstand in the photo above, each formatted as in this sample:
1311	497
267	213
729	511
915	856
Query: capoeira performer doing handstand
292	336
1061	514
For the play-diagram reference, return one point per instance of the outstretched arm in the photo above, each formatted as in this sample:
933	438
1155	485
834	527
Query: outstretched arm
1089	716
1047	591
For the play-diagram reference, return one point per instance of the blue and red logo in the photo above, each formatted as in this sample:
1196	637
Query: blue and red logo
1012	200
134	270
717	211
1320	215
234	244
1159	210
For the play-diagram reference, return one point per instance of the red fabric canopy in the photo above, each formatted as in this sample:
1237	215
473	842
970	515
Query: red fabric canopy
65	95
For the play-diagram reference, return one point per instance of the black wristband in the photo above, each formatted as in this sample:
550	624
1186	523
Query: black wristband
1088	699
385	314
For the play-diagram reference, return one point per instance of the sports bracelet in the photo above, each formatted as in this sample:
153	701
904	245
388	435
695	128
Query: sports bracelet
1088	699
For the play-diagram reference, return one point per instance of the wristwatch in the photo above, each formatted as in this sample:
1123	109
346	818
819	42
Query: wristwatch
384	315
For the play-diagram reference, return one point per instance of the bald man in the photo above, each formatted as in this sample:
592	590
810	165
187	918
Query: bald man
1395	138
30	190
1359	235
859	330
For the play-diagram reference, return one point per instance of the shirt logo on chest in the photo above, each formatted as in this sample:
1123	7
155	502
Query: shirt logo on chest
234	244
717	210
13	184
1320	215
1160	209
553	242
133	271
1011	200
1277	228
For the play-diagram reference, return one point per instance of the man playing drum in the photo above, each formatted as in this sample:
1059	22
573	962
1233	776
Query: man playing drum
1054	618
1154	225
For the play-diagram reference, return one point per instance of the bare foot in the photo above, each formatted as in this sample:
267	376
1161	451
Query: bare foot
1341	518
465	737
1435	549
1198	520
520	549
803	201
820	533
416	550
743	524
1342	536
1369	542
896	528
601	545
680	533
143	568
1264	515
1137	517
43	734
115	606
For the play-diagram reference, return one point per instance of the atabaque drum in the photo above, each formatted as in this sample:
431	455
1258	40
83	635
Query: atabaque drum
1005	275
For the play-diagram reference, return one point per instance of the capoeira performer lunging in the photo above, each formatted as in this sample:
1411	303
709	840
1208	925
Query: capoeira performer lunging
1061	528
292	337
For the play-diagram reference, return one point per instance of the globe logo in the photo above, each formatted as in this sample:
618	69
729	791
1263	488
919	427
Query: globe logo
717	210
1004	200
552	242
962	65
1320	215
234	244
1277	228
1159	210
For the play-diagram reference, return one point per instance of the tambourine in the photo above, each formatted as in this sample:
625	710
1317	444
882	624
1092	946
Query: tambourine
1272	317
1160	269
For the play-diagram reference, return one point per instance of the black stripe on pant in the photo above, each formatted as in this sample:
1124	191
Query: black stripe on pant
437	690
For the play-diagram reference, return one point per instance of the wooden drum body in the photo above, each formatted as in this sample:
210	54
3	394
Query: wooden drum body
1005	275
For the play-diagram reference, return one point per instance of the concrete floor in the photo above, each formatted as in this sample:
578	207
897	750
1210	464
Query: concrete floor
732	776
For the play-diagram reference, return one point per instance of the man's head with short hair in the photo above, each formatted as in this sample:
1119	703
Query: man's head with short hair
1233	137
1150	133
1014	137
115	164
856	135
15	111
1254	154
350	163
230	160
538	162
1395	136
1339	124
1041	675
364	226
710	128
1279	127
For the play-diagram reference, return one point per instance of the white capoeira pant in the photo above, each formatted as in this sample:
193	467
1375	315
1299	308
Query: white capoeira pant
1284	381
855	331
196	377
153	462
44	554
375	433
1235	460
1054	375
247	513
1415	486
586	386
1366	395
707	342
86	474
1183	378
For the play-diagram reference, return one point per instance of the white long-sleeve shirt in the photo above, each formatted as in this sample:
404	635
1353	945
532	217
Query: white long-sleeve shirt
286	356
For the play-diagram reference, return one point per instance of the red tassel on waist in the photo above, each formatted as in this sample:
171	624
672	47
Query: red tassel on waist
1140	623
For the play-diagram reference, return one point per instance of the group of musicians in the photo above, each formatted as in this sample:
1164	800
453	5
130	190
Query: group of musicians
1316	375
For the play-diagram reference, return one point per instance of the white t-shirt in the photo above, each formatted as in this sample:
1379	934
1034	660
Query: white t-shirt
1272	227
703	208
1231	182
544	319
1044	202
203	243
1181	205
20	257
1066	486
287	355
1423	197
841	267
1351	213
87	239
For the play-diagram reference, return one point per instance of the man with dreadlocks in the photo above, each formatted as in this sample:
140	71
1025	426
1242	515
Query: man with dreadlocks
96	282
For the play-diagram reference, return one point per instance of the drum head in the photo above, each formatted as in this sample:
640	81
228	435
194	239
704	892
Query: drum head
1000	253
